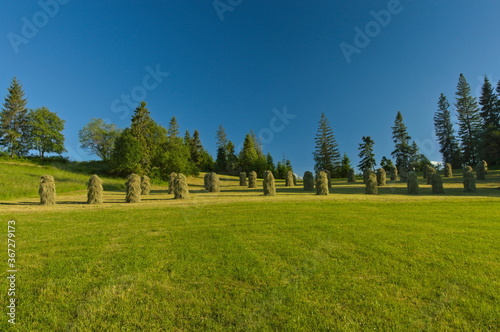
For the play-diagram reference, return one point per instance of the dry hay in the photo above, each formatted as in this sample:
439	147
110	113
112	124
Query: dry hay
243	179
366	174
429	173
94	190
308	181
181	190
289	179
437	184
371	183
448	170
145	185
171	180
381	177
252	179
322	183
394	173
481	170
133	186
213	183
206	179
329	178
466	169
268	183
469	182
351	177
412	183
47	190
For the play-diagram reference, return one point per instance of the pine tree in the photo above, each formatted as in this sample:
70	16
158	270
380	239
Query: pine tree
446	134
366	154
401	138
248	154
222	141
386	164
45	131
345	166
270	163
468	120
173	128
232	159
14	121
326	154
221	161
489	147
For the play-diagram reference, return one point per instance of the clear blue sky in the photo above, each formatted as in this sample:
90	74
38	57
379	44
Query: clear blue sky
235	66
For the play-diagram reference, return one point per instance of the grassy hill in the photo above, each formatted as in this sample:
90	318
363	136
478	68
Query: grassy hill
239	261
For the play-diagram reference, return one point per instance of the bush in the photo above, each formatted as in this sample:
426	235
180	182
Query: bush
448	170
322	183
268	183
145	185
289	179
181	190
213	182
133	186
308	181
94	190
47	190
469	182
252	179
412	183
381	177
437	184
243	179
371	183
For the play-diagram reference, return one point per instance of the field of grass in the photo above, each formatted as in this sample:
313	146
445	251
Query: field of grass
239	261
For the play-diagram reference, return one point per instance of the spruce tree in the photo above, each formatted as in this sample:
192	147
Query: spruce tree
468	120
232	159
326	154
345	166
401	138
248	154
173	128
489	147
366	154
446	134
14	121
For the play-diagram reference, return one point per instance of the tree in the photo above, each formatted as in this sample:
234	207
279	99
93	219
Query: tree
222	141
446	134
99	138
221	160
248	154
468	120
45	131
366	154
402	145
326	154
173	128
489	145
14	121
386	164
270	163
345	166
198	155
231	159
126	156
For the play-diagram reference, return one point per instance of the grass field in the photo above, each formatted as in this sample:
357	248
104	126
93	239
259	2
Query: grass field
237	260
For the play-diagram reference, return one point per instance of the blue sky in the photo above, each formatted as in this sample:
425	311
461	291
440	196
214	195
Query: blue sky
241	65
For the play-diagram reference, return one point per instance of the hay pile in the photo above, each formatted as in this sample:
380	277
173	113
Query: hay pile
412	183
466	169
205	181
430	172
371	183
308	181
268	183
181	190
145	185
252	179
94	190
213	182
394	173
351	177
243	179
481	170
289	179
469	182
322	184
381	177
329	178
448	170
437	184
133	186
47	190
366	174
171	180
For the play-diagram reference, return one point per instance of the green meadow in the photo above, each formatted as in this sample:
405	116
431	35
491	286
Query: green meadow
240	261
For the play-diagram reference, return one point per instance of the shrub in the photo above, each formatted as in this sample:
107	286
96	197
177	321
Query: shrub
412	183
243	179
289	179
308	181
181	190
213	182
47	190
481	170
351	177
394	173
381	177
94	190
171	181
252	179
448	170
371	183
322	183
145	185
437	184
469	182
133	186
429	173
268	183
